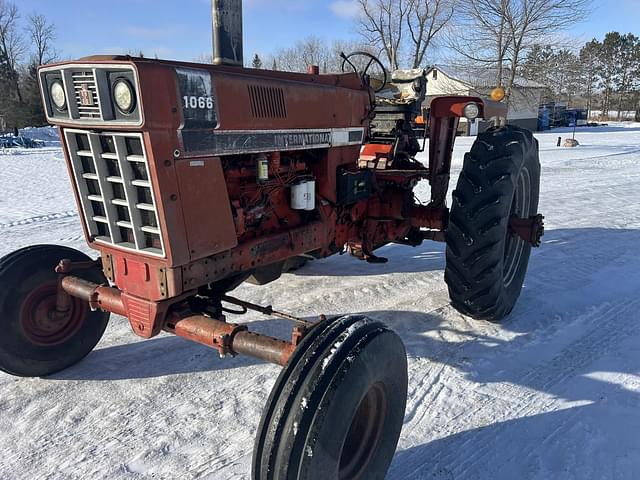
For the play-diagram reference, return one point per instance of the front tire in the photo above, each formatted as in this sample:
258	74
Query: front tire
485	261
33	343
337	408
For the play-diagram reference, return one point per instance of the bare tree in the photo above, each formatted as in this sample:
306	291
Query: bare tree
312	51
382	23
403	30
501	32
12	46
204	58
425	20
480	37
42	34
529	21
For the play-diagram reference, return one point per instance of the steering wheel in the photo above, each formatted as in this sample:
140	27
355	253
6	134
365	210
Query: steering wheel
346	59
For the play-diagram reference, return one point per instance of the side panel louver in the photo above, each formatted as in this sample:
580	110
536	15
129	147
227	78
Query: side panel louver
111	172
267	102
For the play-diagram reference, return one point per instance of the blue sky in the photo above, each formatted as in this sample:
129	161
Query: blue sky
181	29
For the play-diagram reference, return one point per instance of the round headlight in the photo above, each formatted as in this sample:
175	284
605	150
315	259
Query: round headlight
58	97
123	96
471	111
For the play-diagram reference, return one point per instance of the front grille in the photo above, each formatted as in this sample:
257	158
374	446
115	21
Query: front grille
111	172
86	94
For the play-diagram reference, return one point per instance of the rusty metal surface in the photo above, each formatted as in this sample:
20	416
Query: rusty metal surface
229	338
98	296
42	320
209	225
444	116
265	348
147	317
453	106
64	302
262	251
205	330
529	229
67	266
442	136
423	216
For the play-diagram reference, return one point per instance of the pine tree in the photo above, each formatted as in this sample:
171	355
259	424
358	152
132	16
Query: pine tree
628	59
608	68
256	63
589	55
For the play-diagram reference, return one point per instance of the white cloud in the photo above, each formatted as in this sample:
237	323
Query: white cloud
345	8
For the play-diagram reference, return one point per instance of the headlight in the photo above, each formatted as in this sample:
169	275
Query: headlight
123	96
57	95
471	111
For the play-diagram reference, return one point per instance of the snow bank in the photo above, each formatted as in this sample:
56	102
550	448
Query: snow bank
553	392
49	135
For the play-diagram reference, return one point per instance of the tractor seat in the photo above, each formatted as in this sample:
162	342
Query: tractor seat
407	87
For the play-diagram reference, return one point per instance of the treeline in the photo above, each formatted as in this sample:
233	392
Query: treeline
310	51
25	43
602	75
508	37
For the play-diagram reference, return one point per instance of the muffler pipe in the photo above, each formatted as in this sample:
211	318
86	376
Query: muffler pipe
227	32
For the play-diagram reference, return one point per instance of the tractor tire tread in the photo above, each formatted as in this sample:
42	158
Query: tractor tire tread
479	219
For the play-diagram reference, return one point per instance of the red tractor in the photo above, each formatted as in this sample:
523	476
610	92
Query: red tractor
191	179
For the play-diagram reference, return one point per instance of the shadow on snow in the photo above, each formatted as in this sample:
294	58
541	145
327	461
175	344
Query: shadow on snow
578	282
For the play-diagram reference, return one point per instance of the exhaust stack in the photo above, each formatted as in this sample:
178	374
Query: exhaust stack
227	32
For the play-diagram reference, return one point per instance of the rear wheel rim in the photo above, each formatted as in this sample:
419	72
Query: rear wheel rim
37	319
364	434
514	245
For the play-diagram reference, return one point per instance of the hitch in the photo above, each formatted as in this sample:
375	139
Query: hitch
529	229
268	310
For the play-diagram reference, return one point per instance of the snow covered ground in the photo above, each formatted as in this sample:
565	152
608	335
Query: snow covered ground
554	392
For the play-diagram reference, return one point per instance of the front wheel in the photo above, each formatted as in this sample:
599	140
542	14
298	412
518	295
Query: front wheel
337	408
34	342
486	261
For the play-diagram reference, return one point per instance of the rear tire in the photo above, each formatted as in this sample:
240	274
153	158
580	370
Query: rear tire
485	262
32	344
337	408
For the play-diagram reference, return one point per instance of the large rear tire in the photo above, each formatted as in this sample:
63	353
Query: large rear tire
33	343
485	261
337	408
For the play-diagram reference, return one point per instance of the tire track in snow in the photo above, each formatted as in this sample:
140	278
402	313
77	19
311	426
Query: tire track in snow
611	327
600	157
50	217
